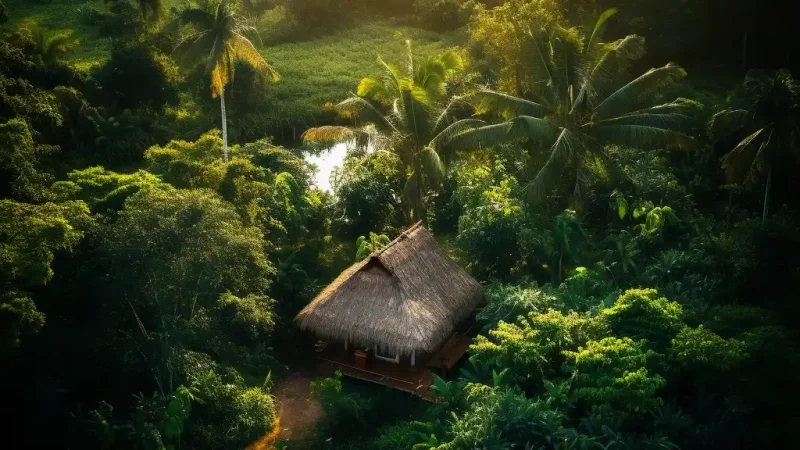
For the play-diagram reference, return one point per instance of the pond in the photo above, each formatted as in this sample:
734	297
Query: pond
325	162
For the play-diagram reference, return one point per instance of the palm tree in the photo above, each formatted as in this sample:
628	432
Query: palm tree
770	117
218	41
582	99
410	113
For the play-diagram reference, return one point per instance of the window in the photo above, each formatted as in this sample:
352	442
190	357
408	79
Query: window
385	354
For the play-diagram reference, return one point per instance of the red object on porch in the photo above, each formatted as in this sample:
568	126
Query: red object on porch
361	359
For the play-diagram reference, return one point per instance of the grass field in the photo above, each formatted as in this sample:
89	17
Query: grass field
327	69
62	16
314	72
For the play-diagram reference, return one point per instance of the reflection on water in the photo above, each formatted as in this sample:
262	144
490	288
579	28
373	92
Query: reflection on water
325	162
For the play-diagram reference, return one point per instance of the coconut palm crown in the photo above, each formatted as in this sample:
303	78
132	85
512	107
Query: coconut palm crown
768	116
411	112
218	41
581	100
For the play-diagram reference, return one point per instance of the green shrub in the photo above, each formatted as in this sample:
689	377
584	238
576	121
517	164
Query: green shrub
617	377
700	347
641	314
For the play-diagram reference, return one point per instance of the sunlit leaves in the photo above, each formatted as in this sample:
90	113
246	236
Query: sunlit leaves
641	314
30	235
617	377
640	91
701	347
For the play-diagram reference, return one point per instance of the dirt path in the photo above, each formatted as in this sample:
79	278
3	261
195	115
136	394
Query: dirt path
298	411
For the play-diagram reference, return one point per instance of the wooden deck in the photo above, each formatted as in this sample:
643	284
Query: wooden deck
414	379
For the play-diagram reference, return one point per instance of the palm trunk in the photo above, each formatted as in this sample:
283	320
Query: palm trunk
766	196
224	127
419	214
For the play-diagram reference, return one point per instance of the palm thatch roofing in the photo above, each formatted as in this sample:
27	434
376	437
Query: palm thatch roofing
408	296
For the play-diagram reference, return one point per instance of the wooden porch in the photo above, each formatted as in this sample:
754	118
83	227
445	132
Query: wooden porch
415	379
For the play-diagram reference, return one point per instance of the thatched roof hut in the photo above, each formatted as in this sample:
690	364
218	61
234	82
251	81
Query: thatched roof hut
409	296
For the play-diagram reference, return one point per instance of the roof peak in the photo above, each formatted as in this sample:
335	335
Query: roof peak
402	236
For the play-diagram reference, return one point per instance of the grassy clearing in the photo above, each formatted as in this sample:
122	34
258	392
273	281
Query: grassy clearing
327	69
314	72
62	16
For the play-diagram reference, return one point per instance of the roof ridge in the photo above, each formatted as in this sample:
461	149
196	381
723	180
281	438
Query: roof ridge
399	238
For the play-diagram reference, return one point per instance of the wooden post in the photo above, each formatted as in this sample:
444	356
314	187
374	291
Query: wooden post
345	342
413	358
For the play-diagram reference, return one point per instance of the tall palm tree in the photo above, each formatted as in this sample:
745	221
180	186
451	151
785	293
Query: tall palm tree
770	115
409	112
218	42
583	99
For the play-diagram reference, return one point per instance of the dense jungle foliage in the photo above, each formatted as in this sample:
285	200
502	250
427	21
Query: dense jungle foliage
620	175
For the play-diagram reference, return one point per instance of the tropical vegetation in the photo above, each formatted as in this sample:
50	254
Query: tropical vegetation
618	175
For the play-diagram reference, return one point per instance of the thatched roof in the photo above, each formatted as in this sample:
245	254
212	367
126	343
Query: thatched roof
407	296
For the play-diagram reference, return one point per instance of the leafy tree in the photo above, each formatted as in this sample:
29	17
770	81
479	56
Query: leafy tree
531	347
702	347
617	377
277	202
137	76
411	114
218	42
499	35
768	114
368	188
30	237
581	101
188	270
20	161
493	222
367	247
229	414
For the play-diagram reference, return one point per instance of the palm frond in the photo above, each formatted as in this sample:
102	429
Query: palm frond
605	64
328	135
740	162
520	128
643	136
680	105
415	112
727	122
362	111
434	168
244	50
600	27
443	120
639	92
221	69
506	105
561	153
540	70
670	121
390	75
443	139
375	90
